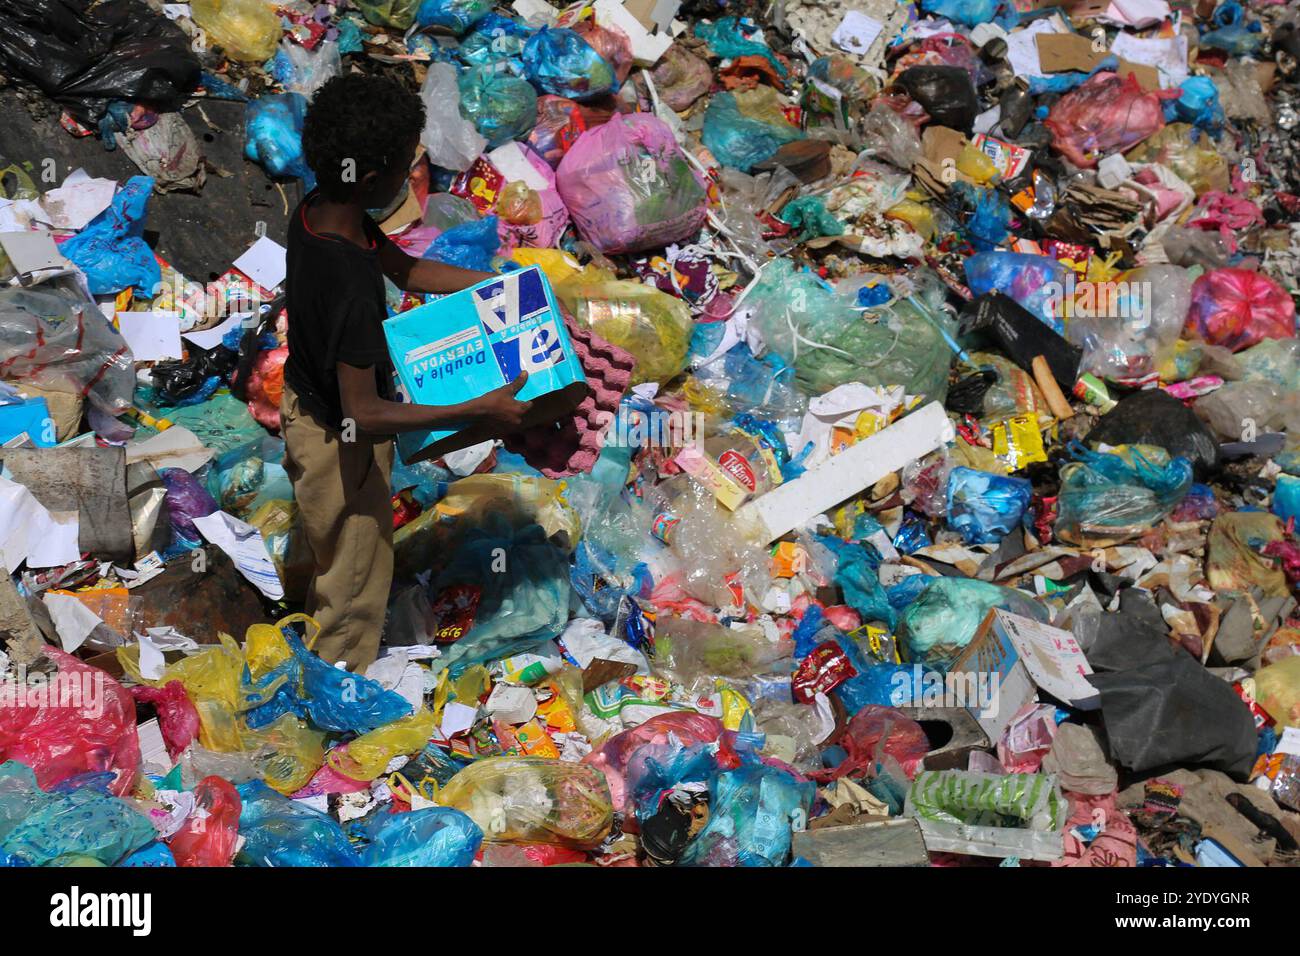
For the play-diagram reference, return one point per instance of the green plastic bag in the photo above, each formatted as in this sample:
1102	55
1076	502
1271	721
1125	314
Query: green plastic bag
939	624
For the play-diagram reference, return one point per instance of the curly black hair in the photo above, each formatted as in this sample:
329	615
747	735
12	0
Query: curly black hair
367	119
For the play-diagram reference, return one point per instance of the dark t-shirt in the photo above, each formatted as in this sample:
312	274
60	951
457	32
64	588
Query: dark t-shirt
335	298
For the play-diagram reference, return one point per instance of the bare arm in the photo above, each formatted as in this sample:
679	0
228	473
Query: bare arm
425	275
499	410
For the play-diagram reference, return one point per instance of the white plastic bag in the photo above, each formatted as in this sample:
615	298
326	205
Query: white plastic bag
451	140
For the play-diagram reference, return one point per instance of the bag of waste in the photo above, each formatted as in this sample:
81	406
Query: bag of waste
533	800
745	128
471	245
629	187
938	625
455	15
559	124
874	733
830	344
56	826
111	250
287	752
1175	713
1120	493
1106	114
493	39
1277	689
613	757
529	217
681	78
278	831
432	836
501	106
99	52
1191	158
984	507
1016	814
752	813
367	756
611	43
274	135
305	71
559	61
1131	337
966	12
654	326
945	92
177	719
1238	308
338	701
1234	560
450	140
398	14
209	836
75	721
167	152
187	499
55	337
245	30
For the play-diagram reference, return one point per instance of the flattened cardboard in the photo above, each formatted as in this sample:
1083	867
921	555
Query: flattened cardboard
1070	52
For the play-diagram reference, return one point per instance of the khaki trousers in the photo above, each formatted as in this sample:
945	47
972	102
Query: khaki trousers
346	516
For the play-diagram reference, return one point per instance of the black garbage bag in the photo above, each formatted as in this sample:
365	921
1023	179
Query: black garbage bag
177	381
1175	712
84	53
1154	417
945	92
1133	636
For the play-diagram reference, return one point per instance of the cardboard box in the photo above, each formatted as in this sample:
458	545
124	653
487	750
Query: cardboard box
466	344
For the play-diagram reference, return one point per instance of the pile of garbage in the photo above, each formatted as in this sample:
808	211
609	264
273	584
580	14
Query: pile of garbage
941	511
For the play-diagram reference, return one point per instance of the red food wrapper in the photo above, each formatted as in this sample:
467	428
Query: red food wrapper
821	672
481	184
454	610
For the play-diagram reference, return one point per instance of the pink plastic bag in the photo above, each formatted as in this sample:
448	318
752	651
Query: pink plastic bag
177	718
543	233
209	838
79	720
1105	115
629	187
1237	308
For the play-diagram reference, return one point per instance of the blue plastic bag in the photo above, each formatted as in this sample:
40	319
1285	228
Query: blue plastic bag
337	701
985	507
558	61
494	38
966	12
938	625
1036	282
471	245
1120	493
501	106
752	813
1286	497
433	836
1198	104
274	141
740	141
855	575
1231	34
38	828
456	15
111	250
728	39
278	831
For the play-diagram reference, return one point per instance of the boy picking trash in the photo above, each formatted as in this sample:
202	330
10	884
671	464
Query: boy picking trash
338	413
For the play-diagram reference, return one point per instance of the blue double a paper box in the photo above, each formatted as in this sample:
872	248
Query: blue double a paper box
476	340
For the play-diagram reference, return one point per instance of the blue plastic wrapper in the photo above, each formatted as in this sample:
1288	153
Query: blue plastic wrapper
471	245
274	138
1036	282
740	141
111	250
989	224
727	38
912	534
501	106
966	12
155	855
558	61
885	685
985	507
278	831
657	768
855	575
1286	497
907	590
805	632
433	836
456	15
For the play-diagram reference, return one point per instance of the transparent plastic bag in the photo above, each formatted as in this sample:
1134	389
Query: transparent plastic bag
533	800
79	720
559	124
246	30
874	734
1119	493
886	134
287	753
366	757
432	836
53	336
559	61
964	811
1133	336
501	106
1106	114
243	479
629	187
399	14
654	326
211	678
693	654
309	70
753	812
278	831
450	140
1193	159
613	757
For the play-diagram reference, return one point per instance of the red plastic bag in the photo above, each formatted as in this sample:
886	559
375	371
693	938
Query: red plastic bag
177	718
560	122
1105	115
877	731
1238	308
212	830
79	720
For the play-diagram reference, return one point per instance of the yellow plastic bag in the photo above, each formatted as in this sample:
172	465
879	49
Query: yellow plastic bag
296	752
247	30
533	800
211	679
265	648
654	326
555	263
1277	690
367	757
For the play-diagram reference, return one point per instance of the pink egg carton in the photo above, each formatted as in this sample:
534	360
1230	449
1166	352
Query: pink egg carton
572	445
